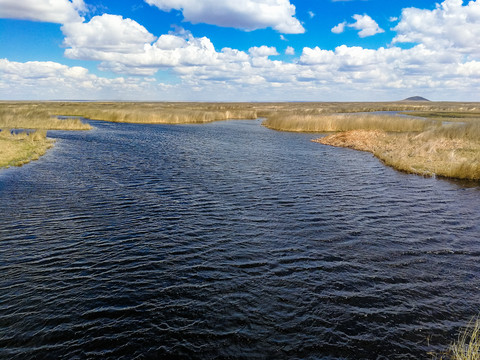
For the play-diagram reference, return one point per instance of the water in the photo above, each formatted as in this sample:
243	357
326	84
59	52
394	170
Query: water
229	240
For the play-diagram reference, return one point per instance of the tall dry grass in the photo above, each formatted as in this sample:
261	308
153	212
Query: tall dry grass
155	113
346	122
32	117
467	346
19	148
426	153
424	146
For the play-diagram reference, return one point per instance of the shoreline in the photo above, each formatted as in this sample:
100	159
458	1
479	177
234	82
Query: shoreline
20	149
414	153
442	141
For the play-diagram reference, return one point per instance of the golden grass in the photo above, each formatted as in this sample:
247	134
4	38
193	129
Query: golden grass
467	346
31	117
346	122
18	149
437	152
445	144
153	113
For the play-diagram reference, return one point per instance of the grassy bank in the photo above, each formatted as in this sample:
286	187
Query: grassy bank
140	112
18	149
451	151
444	143
346	122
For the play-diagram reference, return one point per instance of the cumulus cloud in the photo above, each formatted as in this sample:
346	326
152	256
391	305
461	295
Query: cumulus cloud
124	46
106	34
242	14
340	28
54	11
51	80
439	61
364	23
450	25
262	51
366	26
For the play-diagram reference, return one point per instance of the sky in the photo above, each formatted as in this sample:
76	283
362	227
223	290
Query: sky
239	50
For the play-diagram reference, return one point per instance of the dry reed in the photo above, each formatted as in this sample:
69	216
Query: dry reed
427	153
424	146
467	346
346	122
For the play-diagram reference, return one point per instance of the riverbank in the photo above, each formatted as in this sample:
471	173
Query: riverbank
443	140
436	152
23	131
19	149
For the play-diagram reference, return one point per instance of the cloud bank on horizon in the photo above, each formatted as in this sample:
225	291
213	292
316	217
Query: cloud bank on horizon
271	50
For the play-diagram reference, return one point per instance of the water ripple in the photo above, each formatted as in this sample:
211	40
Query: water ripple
229	240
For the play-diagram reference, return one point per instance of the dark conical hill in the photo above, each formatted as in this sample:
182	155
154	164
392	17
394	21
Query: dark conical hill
416	98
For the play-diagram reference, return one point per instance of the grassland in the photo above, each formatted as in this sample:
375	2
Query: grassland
443	139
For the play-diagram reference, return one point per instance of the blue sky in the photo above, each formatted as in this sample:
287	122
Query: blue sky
239	50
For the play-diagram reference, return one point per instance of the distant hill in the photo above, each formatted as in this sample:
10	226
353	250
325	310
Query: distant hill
416	98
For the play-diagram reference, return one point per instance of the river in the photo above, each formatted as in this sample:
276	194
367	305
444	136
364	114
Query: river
230	240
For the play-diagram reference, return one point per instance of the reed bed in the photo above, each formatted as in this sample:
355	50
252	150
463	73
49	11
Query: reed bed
266	110
467	346
12	117
444	142
346	122
155	113
452	152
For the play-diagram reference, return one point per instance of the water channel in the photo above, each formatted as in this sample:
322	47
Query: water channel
230	240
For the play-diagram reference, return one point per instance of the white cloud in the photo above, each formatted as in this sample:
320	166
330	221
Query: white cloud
262	51
470	69
366	25
450	25
54	11
124	46
51	80
340	28
103	35
289	51
440	65
242	14
311	14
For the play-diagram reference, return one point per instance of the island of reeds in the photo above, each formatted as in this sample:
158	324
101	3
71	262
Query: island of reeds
430	139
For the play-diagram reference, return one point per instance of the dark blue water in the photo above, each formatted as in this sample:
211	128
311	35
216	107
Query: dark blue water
229	240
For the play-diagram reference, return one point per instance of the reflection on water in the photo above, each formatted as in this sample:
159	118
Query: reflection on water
229	240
